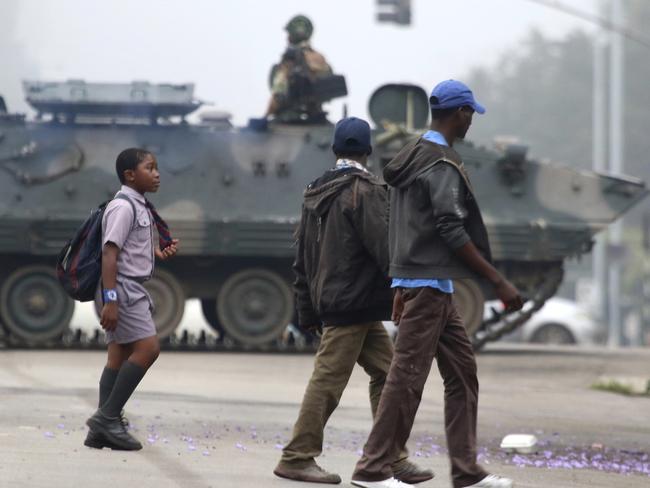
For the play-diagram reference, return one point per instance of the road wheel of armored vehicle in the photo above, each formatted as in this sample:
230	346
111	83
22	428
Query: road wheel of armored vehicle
470	303
33	306
169	302
254	306
209	307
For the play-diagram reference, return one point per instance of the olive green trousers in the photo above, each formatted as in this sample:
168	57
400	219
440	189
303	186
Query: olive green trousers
340	348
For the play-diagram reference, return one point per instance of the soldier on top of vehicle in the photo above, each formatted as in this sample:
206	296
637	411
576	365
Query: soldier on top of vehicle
293	92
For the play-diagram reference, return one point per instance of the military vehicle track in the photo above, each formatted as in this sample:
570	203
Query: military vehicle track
500	324
78	340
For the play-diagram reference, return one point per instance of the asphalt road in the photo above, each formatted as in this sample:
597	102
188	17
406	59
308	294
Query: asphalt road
219	420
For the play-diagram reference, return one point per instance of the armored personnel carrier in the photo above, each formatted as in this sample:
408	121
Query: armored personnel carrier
232	196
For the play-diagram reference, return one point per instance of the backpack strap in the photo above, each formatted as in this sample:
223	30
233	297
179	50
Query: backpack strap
122	196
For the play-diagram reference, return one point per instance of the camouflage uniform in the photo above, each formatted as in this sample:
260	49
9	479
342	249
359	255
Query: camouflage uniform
300	64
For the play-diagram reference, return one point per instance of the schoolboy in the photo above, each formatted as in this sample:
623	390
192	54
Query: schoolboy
128	255
436	234
342	288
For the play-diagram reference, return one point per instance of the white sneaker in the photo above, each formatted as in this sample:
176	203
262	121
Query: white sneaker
389	483
493	481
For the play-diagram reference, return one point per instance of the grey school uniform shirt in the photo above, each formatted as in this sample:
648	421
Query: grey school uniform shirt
135	264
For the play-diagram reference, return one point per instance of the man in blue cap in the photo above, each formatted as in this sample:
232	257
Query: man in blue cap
342	290
436	235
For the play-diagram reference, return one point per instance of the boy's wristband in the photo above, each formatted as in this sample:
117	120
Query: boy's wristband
110	295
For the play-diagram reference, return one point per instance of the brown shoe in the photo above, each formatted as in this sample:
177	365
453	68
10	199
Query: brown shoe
409	472
312	473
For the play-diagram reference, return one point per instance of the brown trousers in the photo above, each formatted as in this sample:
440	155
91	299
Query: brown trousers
430	327
340	348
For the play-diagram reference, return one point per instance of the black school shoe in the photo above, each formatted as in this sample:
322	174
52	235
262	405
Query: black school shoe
110	432
98	441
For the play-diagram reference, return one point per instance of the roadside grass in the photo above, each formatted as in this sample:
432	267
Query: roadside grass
624	386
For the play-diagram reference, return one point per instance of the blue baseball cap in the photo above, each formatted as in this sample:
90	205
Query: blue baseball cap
452	94
351	135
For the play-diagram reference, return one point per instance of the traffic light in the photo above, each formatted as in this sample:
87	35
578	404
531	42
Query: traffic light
396	11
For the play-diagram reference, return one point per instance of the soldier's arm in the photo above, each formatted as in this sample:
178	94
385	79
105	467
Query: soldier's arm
279	89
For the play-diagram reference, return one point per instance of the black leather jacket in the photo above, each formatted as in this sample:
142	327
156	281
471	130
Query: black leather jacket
432	212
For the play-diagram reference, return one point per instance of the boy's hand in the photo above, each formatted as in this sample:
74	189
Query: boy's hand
168	252
109	316
398	306
509	295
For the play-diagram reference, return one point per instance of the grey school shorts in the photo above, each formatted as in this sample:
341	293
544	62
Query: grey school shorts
135	309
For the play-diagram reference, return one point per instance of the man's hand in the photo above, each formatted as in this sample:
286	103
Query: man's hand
509	295
168	252
316	329
398	306
109	316
505	290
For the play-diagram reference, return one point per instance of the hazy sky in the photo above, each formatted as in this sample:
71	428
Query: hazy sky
226	47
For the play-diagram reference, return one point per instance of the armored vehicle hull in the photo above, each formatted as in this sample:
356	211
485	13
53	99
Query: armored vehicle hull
232	196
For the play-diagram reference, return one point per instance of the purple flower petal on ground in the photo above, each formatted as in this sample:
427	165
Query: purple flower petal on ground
49	435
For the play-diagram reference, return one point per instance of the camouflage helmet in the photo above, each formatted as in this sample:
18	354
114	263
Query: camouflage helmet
299	28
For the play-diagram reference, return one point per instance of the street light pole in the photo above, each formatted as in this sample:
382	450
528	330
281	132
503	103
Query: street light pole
599	160
616	155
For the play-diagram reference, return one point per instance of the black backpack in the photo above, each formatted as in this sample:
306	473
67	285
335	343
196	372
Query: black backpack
79	265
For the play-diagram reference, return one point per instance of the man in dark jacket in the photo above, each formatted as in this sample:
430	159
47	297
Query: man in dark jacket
342	288
436	235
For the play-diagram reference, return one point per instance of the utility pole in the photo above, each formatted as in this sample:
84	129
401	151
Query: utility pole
599	160
616	155
644	338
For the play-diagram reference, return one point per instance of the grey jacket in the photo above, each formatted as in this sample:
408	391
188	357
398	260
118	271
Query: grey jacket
433	212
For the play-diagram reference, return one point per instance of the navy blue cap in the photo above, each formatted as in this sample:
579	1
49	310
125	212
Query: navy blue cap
453	94
352	135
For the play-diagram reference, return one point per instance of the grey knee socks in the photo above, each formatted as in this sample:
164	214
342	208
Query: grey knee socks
127	380
106	383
